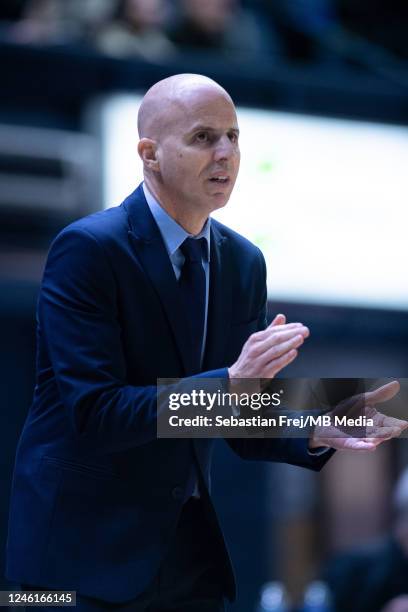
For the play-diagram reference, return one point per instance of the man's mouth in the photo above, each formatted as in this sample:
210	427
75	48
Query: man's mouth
221	180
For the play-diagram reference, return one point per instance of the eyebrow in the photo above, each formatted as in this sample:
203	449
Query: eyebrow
209	128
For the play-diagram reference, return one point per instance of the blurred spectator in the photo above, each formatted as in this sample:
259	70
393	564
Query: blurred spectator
137	29
53	21
223	26
303	25
375	578
41	23
86	17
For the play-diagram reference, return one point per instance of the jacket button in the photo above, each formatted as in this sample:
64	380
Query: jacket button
177	493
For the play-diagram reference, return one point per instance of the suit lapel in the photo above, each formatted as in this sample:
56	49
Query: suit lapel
152	254
150	250
220	301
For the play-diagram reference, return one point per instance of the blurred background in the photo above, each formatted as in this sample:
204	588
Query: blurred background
321	88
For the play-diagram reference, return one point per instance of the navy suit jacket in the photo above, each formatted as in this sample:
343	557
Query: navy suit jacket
96	496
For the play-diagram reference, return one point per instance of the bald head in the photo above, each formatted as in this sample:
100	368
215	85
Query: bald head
168	99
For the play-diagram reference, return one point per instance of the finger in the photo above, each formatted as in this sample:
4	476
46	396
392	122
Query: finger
382	420
383	432
277	350
271	347
362	445
382	394
277	337
365	401
270	332
377	441
272	326
355	444
280	319
278	328
396	423
278	364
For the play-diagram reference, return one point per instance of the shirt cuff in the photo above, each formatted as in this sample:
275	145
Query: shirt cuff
317	452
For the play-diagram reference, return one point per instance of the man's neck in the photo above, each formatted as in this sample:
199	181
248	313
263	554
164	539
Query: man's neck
189	220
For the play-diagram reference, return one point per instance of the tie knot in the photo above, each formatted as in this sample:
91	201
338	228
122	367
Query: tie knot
193	248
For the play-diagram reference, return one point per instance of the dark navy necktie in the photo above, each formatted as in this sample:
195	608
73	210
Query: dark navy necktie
192	285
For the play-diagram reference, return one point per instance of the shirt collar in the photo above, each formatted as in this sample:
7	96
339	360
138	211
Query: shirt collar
172	233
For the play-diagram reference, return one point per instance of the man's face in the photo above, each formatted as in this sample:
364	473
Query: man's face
198	150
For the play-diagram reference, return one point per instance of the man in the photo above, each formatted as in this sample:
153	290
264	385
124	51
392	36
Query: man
99	504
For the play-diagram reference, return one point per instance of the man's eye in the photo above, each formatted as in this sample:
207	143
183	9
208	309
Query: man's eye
202	137
233	137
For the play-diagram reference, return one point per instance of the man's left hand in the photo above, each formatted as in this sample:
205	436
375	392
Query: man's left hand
383	428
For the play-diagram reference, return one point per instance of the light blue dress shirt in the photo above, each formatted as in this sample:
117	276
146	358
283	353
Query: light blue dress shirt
173	236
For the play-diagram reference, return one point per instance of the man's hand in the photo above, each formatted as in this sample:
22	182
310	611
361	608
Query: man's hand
384	427
267	352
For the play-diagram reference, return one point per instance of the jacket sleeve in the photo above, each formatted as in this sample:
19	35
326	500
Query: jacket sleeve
285	450
79	326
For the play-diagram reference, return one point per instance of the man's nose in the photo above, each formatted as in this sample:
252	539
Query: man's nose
224	149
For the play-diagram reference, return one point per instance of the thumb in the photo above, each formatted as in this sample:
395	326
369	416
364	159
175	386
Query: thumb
280	319
382	394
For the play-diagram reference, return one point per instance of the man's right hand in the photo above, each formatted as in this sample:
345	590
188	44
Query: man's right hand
267	352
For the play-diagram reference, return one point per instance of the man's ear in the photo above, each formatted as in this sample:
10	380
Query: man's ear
147	149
